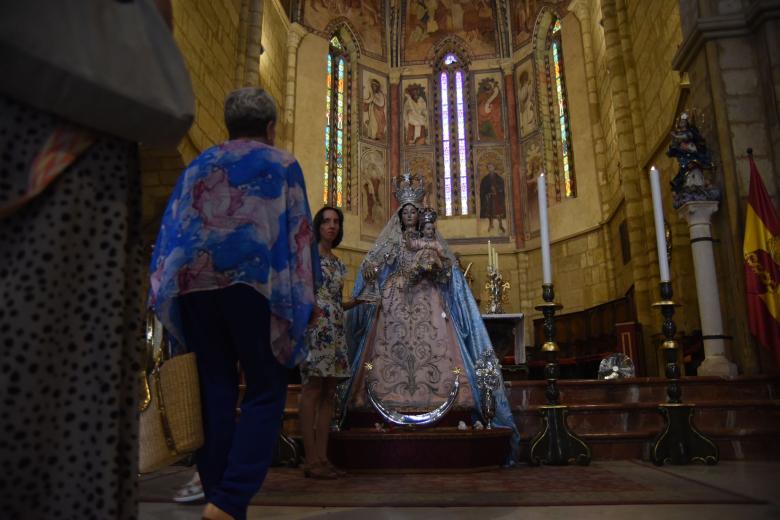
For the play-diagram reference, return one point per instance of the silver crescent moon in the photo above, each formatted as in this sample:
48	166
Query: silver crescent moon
420	419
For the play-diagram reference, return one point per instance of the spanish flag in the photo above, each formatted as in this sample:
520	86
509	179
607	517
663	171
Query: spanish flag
761	249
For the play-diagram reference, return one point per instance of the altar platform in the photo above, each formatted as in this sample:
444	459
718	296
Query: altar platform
619	419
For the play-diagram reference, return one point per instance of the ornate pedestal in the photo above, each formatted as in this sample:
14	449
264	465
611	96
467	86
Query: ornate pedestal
698	214
424	450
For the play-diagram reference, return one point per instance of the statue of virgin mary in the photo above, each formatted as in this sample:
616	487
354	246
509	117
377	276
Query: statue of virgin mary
419	332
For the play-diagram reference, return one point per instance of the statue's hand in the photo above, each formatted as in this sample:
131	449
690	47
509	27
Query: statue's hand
370	272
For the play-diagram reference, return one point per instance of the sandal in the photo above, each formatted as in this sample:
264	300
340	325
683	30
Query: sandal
319	472
212	512
335	469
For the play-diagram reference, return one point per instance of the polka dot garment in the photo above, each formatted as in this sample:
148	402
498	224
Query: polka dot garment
70	322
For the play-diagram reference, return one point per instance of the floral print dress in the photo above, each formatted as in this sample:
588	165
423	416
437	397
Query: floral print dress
325	338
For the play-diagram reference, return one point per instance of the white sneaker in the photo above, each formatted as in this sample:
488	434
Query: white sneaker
190	492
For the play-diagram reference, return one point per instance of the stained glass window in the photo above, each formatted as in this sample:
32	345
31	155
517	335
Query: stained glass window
560	114
464	183
445	132
453	143
335	179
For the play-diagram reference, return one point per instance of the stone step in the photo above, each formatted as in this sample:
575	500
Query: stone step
620	419
734	444
645	390
628	417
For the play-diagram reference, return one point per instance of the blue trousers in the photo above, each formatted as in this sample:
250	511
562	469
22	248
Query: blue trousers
224	327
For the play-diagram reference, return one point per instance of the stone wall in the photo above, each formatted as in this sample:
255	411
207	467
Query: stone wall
661	96
654	46
309	136
587	204
273	61
208	34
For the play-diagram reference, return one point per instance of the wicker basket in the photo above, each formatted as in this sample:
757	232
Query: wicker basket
171	425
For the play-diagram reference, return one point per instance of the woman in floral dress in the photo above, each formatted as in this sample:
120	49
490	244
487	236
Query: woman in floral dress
327	363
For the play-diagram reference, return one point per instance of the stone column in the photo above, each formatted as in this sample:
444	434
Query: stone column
294	37
507	68
253	45
395	125
699	214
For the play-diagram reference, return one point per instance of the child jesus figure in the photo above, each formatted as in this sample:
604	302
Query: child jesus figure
431	259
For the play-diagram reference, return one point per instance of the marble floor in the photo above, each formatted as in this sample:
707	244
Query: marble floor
758	480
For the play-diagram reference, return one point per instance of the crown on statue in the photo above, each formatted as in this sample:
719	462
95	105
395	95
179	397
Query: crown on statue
428	215
409	189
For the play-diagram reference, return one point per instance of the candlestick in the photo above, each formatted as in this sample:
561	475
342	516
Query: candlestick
541	186
679	442
658	216
555	443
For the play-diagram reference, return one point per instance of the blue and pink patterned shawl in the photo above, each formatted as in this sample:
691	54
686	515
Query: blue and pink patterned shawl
239	214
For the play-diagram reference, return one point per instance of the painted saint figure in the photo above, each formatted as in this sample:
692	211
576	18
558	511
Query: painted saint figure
492	197
415	115
489	110
373	197
525	94
374	112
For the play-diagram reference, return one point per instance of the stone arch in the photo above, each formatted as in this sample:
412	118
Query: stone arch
450	44
342	27
545	98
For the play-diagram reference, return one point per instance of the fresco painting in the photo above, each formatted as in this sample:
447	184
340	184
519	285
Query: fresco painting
427	21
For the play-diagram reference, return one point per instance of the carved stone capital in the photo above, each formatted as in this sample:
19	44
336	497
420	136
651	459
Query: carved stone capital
580	8
295	35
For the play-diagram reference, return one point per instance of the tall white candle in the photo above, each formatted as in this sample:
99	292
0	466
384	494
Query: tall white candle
541	186
496	257
490	255
658	216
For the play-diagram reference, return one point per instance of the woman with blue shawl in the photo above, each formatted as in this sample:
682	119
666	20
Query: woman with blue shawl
418	333
232	278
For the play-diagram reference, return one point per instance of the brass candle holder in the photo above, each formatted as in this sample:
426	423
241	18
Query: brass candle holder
555	444
497	291
680	442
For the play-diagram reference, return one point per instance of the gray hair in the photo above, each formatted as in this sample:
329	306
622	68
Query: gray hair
248	112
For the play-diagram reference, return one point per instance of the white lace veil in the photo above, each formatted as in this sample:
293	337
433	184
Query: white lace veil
385	253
